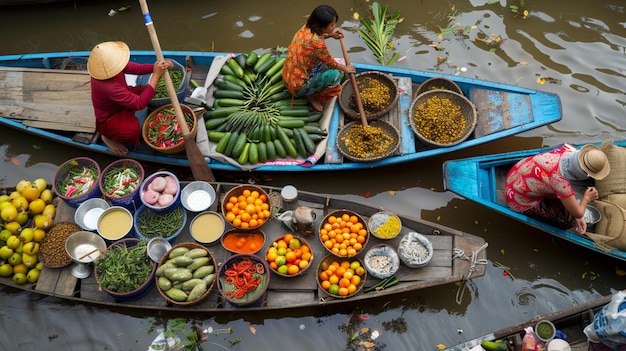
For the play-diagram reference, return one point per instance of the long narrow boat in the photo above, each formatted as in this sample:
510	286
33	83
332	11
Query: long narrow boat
482	179
48	95
457	257
571	322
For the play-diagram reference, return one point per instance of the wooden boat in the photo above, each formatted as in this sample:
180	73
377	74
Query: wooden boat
288	294
48	95
482	179
570	321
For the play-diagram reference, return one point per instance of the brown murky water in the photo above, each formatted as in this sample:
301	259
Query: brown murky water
576	49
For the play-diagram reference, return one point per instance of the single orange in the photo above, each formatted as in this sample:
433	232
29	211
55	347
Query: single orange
293	269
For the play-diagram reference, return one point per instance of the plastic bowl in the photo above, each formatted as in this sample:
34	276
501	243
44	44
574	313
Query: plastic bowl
139	291
88	213
147	218
73	168
207	227
240	241
146	187
198	196
115	223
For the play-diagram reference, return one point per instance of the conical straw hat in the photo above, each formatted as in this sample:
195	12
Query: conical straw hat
108	59
594	162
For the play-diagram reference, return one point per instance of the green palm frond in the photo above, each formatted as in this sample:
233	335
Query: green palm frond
377	31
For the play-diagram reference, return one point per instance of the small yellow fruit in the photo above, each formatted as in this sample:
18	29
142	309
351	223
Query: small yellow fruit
31	193
5	198
6	270
42	222
49	211
31	248
19	247
23	184
40	183
20	278
46	195
15	259
33	275
36	206
4	235
13	242
8	213
39	265
14	195
5	252
20	268
4	204
22	217
38	235
29	260
20	203
13	227
27	235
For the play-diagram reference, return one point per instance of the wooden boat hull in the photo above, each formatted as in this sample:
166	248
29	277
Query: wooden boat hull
286	294
570	321
40	95
481	179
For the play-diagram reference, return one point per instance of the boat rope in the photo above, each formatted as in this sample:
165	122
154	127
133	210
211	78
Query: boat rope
473	260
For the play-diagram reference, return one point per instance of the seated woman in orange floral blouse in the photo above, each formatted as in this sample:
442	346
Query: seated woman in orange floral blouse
310	70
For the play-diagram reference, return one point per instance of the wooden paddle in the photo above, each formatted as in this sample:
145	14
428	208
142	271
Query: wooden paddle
355	88
199	167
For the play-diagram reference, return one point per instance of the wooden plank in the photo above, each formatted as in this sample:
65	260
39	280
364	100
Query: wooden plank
407	137
66	284
499	110
47	281
51	99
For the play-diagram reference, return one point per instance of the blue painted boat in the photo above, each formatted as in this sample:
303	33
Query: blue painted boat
48	95
481	179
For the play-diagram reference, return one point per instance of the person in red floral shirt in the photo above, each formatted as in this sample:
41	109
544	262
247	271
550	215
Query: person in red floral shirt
114	102
540	186
310	70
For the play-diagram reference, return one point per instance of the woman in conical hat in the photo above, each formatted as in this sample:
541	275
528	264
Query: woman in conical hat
114	102
540	186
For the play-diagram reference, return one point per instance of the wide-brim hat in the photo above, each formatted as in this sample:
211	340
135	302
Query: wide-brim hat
108	59
594	162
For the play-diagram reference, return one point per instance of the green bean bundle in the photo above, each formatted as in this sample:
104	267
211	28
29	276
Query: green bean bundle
151	224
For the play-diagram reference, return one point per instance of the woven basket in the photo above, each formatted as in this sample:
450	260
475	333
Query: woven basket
301	271
346	98
437	83
327	261
468	111
386	127
238	190
129	200
339	213
252	298
165	258
63	175
178	148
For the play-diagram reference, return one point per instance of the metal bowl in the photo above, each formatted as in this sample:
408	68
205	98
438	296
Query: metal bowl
88	213
157	248
84	246
198	196
592	215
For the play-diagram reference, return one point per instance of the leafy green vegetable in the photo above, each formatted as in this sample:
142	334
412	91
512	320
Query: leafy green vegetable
122	269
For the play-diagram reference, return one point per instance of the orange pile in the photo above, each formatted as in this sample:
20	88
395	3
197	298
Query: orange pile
249	210
341	278
289	255
344	235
